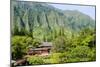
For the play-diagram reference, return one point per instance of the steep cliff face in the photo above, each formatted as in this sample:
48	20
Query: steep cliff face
42	19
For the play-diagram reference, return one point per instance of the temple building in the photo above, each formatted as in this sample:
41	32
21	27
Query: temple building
42	49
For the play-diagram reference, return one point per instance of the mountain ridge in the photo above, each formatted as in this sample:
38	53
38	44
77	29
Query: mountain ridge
28	18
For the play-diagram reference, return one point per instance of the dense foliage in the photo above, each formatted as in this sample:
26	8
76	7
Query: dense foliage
20	45
71	32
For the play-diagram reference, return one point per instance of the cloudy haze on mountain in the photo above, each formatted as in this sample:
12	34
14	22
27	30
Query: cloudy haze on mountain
88	10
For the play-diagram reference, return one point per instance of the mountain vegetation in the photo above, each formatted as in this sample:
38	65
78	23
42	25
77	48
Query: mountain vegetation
71	32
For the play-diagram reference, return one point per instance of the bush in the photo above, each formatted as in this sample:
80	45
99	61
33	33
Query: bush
80	51
55	58
35	60
20	44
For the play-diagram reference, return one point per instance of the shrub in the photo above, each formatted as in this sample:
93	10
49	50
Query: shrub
55	58
35	60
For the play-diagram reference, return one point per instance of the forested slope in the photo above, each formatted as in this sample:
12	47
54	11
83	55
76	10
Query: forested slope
72	33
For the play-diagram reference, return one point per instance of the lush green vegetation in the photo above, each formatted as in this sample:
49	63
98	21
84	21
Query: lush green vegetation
80	48
71	32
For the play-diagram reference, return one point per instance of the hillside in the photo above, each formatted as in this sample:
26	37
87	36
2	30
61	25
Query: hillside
29	17
71	33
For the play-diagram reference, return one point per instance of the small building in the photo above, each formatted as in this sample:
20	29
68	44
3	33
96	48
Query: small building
43	49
